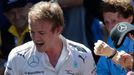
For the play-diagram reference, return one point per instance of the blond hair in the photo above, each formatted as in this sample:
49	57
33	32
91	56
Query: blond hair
47	11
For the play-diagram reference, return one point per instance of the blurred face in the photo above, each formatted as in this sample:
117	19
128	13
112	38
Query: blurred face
42	35
18	16
111	19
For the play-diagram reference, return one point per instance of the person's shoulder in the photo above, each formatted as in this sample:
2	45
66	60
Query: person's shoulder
22	48
78	46
25	45
80	52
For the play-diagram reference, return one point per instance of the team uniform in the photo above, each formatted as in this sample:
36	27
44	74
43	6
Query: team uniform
75	59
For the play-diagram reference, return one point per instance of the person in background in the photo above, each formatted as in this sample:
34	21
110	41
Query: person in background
95	29
98	33
15	31
118	33
115	11
92	17
49	53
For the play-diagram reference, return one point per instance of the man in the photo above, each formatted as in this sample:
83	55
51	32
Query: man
115	11
16	33
49	53
118	33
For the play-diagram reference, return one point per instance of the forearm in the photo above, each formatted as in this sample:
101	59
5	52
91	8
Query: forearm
124	59
117	57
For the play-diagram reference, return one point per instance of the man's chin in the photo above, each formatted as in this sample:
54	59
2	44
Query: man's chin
39	48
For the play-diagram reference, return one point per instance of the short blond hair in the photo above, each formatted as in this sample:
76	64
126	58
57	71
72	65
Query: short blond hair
47	11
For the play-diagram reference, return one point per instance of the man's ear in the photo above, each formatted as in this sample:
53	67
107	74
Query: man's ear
131	36
59	29
130	19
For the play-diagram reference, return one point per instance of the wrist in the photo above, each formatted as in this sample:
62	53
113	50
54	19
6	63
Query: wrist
117	56
113	54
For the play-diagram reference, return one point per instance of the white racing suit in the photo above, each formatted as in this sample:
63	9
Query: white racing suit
75	59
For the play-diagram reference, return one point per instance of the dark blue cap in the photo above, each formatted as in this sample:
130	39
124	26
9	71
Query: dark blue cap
119	32
9	4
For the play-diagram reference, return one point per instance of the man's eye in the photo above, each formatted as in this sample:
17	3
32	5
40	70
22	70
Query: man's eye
42	33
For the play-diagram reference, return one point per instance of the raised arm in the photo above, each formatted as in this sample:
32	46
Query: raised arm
122	58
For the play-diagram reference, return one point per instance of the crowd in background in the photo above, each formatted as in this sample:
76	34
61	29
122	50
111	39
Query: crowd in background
84	23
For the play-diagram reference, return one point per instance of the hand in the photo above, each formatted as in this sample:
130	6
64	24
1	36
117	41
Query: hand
103	49
130	73
126	61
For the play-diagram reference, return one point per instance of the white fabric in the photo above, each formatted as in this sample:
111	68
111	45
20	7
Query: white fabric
26	60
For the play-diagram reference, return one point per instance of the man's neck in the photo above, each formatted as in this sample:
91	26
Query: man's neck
55	53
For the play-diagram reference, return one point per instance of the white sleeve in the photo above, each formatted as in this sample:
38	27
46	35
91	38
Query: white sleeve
11	65
89	66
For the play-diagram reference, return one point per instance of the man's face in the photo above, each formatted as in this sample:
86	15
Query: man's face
111	19
18	16
42	34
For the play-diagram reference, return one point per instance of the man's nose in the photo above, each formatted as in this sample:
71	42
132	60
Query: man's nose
17	16
35	36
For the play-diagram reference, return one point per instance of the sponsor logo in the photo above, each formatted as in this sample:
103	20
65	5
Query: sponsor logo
34	73
70	72
75	64
82	57
122	28
33	61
